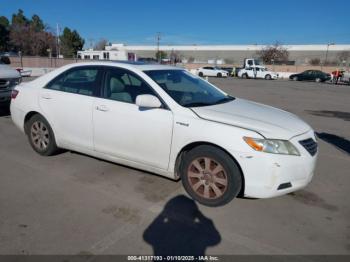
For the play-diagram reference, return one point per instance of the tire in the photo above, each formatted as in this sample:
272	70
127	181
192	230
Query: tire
318	80
201	181
268	77
200	74
245	76
219	75
295	78
41	136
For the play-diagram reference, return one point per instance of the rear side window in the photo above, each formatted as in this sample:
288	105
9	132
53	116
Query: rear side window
82	80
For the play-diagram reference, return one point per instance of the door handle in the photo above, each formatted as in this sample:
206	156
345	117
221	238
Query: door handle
102	108
46	96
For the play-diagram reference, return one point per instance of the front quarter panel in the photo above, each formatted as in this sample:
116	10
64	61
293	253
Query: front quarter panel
190	129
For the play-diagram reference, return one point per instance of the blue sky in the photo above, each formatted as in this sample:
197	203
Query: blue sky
195	21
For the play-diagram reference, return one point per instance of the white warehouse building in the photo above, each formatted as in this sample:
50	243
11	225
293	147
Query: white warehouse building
219	54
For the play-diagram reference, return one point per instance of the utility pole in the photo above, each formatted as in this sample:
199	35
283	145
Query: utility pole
58	41
158	41
325	61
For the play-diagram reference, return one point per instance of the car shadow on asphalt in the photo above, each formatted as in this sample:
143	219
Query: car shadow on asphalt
181	229
339	142
325	113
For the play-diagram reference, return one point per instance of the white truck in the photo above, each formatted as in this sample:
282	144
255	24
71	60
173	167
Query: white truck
253	69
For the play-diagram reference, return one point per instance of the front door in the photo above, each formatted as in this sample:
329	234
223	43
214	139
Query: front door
124	130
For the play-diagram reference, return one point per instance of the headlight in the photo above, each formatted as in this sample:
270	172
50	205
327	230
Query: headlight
273	146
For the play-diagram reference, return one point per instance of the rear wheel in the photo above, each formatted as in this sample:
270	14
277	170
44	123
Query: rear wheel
318	80
295	78
210	176
41	136
268	77
245	76
219	75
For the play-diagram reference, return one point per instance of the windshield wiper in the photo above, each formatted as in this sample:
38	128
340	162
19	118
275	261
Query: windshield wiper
220	101
195	104
224	100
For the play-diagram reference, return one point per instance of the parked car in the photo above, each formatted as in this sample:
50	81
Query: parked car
211	71
229	70
8	79
311	75
257	72
165	120
345	78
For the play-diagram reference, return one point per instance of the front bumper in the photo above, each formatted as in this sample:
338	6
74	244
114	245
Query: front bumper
269	175
5	97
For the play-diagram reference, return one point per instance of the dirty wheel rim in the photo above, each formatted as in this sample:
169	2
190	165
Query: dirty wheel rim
39	135
207	178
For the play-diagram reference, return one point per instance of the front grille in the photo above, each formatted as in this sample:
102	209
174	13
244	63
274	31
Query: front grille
310	145
4	83
8	83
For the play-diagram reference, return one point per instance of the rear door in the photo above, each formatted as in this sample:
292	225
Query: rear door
67	103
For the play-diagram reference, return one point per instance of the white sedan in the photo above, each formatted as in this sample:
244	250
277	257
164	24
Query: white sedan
167	121
257	72
211	71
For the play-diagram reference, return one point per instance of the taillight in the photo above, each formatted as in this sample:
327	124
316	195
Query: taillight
14	94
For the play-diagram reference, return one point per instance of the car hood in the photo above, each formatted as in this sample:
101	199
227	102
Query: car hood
268	121
8	72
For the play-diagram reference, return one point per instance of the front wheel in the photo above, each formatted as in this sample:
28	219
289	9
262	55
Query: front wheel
219	75
295	78
268	77
200	74
210	176
245	76
318	80
41	136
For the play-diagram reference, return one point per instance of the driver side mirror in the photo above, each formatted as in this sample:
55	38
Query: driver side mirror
148	101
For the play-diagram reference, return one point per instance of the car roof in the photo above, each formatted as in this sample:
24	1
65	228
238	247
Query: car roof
127	64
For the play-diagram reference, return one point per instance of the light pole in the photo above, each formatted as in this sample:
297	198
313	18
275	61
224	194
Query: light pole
325	61
158	42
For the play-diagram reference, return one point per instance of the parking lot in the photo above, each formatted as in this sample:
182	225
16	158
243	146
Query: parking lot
75	204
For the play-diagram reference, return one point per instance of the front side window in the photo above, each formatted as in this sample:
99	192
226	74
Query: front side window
83	81
186	89
124	86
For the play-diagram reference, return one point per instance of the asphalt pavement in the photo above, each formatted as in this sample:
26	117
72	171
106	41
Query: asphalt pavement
75	204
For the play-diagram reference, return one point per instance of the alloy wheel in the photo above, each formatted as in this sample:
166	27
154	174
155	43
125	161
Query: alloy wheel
40	136
207	178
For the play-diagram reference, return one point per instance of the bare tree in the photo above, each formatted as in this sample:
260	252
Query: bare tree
175	57
274	53
100	45
344	56
315	61
191	59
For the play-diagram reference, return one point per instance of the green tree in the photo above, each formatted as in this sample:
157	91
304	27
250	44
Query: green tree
19	19
71	42
4	34
37	24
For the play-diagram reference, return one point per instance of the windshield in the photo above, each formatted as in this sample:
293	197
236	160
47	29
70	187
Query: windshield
187	89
